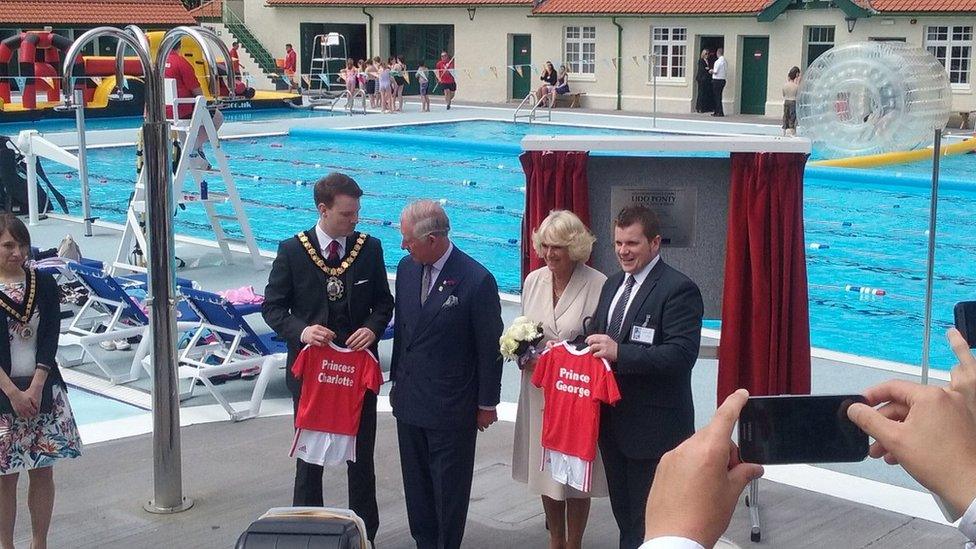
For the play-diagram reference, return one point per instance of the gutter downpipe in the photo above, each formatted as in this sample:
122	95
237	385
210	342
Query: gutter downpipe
620	62
369	41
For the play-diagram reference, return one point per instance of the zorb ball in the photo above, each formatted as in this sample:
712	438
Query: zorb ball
871	98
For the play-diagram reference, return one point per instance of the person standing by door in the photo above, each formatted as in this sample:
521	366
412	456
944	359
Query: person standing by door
705	102
291	66
719	72
444	71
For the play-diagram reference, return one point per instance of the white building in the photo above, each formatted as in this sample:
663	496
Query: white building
498	45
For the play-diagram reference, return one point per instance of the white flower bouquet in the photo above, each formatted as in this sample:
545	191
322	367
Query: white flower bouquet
519	340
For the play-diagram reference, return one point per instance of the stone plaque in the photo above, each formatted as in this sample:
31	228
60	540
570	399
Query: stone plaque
675	208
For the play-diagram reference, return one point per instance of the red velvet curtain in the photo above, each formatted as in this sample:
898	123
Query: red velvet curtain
553	181
765	343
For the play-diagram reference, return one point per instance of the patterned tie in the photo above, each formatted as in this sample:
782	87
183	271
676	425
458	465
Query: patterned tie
617	319
333	250
424	284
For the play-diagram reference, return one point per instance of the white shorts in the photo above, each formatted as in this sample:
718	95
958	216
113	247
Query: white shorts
569	470
322	448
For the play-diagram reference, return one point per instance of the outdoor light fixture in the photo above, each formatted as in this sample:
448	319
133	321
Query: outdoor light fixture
471	11
851	21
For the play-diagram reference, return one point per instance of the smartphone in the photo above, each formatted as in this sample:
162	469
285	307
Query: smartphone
800	429
965	313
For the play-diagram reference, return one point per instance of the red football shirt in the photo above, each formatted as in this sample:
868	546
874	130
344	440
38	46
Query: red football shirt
179	69
334	381
291	61
573	383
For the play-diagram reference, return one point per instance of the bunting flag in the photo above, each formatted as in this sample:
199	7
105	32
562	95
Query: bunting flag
483	71
406	76
535	69
97	80
613	61
518	70
494	70
21	82
636	62
307	78
467	73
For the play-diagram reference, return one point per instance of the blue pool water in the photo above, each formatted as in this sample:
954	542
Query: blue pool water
875	235
124	122
91	408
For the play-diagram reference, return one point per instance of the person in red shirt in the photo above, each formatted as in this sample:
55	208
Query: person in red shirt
235	59
187	86
291	64
445	77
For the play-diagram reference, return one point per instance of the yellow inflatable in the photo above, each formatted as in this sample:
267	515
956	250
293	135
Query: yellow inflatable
901	157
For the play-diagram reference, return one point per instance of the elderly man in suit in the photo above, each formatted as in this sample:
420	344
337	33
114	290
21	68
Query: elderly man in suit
329	284
648	326
446	372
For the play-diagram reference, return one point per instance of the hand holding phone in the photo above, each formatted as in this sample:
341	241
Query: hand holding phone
800	429
965	317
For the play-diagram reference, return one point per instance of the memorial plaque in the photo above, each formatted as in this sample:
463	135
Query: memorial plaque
675	208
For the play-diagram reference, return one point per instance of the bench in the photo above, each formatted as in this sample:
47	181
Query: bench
572	100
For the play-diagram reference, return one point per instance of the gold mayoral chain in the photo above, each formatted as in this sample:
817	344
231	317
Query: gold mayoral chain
333	286
23	318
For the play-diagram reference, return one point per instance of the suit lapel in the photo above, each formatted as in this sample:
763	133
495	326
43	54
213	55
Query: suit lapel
572	292
446	284
645	290
606	297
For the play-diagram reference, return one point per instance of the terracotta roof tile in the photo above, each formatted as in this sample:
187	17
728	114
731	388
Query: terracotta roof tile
895	6
417	3
94	12
554	7
208	10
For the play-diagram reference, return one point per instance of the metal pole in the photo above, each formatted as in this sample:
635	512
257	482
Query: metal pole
79	99
654	88
930	272
167	466
32	216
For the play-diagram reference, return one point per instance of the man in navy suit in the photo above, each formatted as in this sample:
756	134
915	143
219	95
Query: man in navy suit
446	371
648	326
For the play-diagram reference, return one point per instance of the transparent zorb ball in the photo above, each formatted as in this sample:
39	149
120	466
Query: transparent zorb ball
871	98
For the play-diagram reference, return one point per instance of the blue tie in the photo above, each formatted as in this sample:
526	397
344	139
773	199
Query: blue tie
617	318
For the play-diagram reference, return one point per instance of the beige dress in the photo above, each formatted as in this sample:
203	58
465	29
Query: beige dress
564	321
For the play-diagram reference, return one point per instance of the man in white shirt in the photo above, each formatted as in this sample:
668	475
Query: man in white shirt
719	70
930	431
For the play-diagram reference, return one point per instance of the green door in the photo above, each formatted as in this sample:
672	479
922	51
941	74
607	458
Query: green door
521	55
755	73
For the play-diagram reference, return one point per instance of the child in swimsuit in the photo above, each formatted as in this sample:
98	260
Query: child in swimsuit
386	88
424	80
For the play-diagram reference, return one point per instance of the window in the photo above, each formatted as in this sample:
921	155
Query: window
580	44
952	46
819	40
668	49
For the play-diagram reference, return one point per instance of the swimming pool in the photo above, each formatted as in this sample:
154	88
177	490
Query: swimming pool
91	408
124	122
870	236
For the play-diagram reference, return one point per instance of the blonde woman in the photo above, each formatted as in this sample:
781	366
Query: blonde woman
559	295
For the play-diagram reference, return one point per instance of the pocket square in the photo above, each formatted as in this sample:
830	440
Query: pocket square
451	301
358	282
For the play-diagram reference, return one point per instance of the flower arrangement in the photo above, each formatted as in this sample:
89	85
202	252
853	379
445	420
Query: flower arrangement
519	340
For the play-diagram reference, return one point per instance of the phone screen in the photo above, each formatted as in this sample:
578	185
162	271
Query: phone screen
965	313
800	429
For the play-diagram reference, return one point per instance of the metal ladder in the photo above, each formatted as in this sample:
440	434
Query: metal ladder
350	106
325	47
194	168
532	112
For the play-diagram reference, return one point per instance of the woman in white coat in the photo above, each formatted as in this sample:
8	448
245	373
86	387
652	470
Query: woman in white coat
559	295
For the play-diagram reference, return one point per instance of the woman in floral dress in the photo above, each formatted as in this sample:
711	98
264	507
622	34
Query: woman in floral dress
36	424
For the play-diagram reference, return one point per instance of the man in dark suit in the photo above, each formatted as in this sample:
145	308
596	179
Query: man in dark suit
446	372
648	326
329	284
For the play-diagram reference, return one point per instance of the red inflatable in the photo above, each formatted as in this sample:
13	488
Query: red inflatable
38	54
